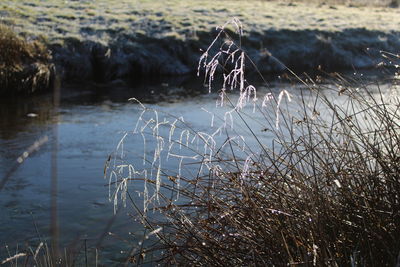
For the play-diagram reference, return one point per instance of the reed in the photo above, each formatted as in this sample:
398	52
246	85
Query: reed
321	190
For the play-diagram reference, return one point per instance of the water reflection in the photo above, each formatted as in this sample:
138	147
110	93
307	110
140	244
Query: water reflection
17	114
90	122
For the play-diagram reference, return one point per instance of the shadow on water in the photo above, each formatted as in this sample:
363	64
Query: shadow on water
154	90
18	113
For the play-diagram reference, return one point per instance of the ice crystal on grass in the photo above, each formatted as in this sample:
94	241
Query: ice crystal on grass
277	178
177	141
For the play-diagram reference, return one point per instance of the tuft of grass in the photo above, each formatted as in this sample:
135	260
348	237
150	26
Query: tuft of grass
44	255
24	66
322	190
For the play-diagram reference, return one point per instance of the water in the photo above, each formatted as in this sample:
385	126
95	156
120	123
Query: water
86	135
89	127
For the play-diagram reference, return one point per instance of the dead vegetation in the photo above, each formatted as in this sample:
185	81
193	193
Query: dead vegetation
323	191
25	67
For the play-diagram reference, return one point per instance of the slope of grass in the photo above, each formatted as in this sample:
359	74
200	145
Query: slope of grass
101	19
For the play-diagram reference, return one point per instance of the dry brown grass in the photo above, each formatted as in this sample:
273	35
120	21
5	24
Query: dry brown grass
323	192
24	66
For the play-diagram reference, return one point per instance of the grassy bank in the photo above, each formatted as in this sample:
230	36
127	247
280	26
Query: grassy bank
110	40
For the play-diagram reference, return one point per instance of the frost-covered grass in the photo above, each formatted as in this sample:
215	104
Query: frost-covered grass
111	40
103	20
308	175
355	3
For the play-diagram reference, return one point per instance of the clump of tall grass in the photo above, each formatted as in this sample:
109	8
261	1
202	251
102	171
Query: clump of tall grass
311	179
45	256
24	66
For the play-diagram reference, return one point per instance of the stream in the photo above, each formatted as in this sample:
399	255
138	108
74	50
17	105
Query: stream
73	142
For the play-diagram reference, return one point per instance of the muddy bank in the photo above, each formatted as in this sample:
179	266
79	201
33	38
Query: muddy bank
127	58
132	59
